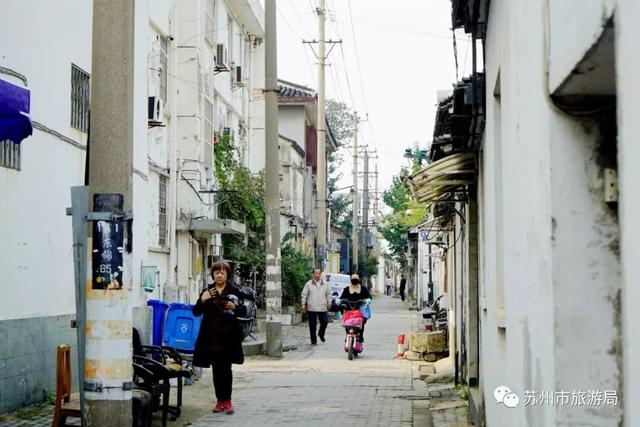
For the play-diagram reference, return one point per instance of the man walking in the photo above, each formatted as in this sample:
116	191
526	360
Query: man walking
316	300
403	285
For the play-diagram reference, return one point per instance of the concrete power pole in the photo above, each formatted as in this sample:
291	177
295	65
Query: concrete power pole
376	199
272	190
107	366
354	219
321	185
365	216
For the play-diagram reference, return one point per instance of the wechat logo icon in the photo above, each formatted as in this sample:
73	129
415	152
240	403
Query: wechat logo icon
504	395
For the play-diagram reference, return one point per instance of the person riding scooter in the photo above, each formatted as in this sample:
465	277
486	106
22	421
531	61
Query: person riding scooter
356	292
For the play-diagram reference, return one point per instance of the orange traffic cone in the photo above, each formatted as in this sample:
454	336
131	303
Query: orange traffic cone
400	352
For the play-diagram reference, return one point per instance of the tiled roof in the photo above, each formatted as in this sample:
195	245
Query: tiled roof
292	90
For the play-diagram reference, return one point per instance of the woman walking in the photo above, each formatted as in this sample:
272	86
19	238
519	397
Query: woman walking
219	342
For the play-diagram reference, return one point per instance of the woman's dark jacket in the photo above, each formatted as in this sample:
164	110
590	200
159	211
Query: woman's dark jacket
362	295
220	336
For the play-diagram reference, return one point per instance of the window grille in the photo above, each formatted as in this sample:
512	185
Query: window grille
163	70
80	99
10	154
208	132
209	22
162	212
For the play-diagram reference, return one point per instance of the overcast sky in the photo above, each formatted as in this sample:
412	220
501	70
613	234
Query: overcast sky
401	55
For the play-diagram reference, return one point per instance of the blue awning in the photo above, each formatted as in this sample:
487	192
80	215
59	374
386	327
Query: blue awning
15	101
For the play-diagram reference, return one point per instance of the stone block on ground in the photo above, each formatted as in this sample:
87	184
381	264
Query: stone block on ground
425	371
412	355
427	342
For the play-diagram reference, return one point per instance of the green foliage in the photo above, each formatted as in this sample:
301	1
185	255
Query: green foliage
417	155
242	199
406	214
372	264
341	120
296	270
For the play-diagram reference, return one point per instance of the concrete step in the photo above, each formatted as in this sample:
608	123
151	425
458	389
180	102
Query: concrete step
254	348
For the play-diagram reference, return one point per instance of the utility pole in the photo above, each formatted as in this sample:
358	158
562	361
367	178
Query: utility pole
354	220
321	131
107	365
272	186
322	159
365	216
377	197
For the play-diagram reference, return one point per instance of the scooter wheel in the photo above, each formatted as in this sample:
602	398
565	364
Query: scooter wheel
350	344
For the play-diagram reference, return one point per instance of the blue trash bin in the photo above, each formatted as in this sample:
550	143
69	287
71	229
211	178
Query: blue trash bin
159	309
181	327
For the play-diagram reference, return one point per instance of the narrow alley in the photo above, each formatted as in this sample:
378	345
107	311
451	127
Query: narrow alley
318	386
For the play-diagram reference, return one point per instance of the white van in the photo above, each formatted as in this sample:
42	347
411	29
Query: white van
337	282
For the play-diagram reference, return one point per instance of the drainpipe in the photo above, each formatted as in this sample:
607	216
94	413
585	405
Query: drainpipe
173	161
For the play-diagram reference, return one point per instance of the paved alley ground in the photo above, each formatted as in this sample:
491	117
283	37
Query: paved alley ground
317	386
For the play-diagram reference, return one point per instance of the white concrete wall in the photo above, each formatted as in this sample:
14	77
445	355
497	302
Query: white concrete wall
547	235
291	123
36	260
574	26
628	66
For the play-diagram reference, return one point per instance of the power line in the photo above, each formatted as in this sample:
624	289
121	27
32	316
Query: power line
355	46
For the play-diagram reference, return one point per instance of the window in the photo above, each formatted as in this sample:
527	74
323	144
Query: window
208	132
10	154
163	70
231	53
162	212
80	99
209	22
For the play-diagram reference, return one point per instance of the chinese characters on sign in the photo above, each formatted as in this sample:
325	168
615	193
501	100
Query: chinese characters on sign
504	395
571	398
108	247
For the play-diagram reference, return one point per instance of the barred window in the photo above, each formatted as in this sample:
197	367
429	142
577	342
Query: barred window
10	154
163	70
80	99
208	132
209	22
162	212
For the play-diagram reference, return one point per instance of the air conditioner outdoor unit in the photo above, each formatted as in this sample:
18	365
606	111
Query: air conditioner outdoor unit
156	109
221	57
238	77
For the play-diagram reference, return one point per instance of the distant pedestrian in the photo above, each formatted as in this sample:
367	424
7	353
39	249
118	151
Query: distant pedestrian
316	301
403	285
219	342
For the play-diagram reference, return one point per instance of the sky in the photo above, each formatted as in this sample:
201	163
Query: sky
393	59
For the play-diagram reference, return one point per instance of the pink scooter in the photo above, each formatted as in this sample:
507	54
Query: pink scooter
352	322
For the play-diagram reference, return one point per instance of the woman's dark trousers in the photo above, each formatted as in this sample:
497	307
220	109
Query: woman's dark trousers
222	380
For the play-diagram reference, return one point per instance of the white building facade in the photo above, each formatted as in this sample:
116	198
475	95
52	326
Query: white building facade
542	282
184	93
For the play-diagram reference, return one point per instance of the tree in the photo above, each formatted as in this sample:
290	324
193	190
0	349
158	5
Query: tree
406	213
296	268
341	121
242	199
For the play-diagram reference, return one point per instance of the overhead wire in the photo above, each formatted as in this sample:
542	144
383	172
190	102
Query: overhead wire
357	55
